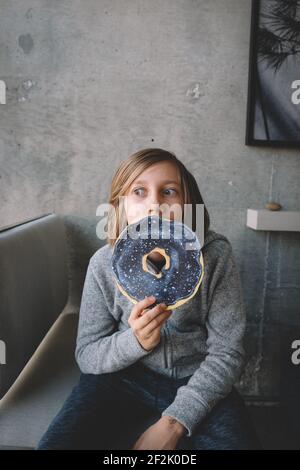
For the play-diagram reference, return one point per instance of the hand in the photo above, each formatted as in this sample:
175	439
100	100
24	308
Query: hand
162	435
146	325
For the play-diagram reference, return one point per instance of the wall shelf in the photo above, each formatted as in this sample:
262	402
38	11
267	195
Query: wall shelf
264	219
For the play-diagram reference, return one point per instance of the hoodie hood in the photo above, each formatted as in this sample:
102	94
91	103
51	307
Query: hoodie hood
211	236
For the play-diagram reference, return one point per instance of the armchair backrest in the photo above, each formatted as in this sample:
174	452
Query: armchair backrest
33	288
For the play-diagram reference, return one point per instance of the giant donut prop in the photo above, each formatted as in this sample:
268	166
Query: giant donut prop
177	271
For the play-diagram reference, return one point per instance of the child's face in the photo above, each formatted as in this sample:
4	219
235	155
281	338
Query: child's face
153	192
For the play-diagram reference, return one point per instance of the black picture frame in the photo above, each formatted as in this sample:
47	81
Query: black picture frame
284	133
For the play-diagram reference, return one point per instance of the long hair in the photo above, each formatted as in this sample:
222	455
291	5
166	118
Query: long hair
132	167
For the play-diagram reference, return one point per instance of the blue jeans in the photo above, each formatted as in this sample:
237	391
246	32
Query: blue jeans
111	410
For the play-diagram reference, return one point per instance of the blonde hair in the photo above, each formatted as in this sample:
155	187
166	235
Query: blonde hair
132	167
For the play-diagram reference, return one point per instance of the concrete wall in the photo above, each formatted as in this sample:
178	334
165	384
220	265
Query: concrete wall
89	82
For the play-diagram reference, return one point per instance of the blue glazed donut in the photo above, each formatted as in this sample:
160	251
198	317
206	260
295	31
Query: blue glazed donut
138	277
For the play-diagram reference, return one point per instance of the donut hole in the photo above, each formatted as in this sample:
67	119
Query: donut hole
155	261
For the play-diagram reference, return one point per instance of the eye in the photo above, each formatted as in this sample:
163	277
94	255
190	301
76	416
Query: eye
138	189
171	189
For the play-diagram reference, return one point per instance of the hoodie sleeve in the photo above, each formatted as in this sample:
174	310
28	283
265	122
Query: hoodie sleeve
99	347
222	366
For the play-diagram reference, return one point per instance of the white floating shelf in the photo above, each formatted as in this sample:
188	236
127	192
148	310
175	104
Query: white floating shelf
264	219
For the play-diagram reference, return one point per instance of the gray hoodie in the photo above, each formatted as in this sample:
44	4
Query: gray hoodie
202	338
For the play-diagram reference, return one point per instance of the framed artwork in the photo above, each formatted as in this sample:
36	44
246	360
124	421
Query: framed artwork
273	109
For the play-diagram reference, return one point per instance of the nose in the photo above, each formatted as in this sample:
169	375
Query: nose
154	202
155	212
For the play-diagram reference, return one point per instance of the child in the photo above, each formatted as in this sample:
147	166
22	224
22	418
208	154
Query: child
153	378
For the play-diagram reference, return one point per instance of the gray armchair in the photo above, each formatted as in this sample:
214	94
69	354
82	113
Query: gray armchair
38	323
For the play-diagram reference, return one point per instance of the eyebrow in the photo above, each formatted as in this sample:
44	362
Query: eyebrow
164	182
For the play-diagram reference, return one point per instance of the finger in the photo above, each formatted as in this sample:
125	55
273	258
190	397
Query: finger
156	323
140	306
147	317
